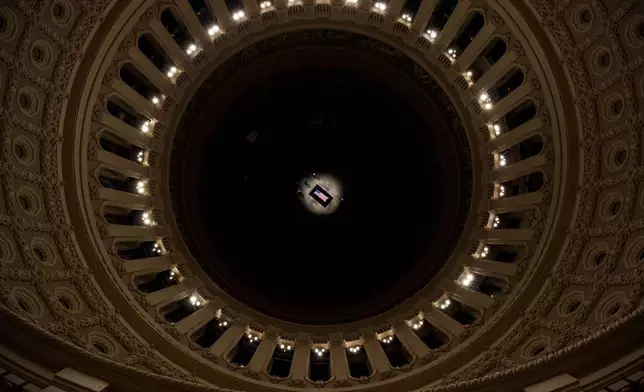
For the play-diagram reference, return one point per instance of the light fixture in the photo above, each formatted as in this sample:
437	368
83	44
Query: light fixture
172	72
497	222
502	161
406	17
469	74
157	249
451	53
285	347
497	129
354	349
155	100
265	4
467	279
140	156
191	49
145	127
147	219
487	106
319	351
432	34
252	337
223	324
387	339
445	304
214	29
351	2
418	324
380	6
501	191
486	250
140	187
239	15
484	97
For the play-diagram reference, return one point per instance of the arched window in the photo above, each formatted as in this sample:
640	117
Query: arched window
203	12
125	112
114	180
244	350
119	146
138	82
430	335
281	361
460	312
508	83
134	250
512	220
177	29
152	50
470	29
150	283
207	335
395	351
178	310
123	216
526	149
525	184
516	117
442	12
500	252
490	55
320	365
359	365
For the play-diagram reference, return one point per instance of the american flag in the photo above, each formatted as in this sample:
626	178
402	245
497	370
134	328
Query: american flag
321	195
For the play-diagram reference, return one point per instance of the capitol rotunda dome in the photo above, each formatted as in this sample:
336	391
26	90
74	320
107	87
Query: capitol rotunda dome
290	195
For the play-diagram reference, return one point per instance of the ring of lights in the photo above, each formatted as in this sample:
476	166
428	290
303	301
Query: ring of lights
106	285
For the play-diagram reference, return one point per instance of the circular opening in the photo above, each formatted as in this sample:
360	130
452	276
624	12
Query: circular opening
23	101
618	107
23	305
20	151
538	350
40	255
58	10
586	16
620	157
100	348
573	306
65	303
604	60
600	258
615	207
24	203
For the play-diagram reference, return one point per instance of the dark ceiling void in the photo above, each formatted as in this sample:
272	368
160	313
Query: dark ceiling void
403	187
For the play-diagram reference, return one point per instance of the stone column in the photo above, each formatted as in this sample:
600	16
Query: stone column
154	75
264	351
508	103
167	294
200	317
469	296
150	263
134	231
142	104
125	165
518	169
422	17
221	12
495	73
229	339
453	25
375	352
121	197
170	46
193	24
364	9
410	340
300	363
510	234
517	135
339	361
445	322
516	202
474	49
131	134
394	8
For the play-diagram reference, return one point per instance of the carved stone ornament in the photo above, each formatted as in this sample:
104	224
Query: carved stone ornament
296	383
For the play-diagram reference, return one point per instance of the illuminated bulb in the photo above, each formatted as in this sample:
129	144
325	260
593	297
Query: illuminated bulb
288	348
225	323
406	17
487	106
265	4
193	299
214	30
250	336
239	15
281	345
484	97
432	34
155	100
197	303
469	73
145	127
173	69
380	6
351	2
